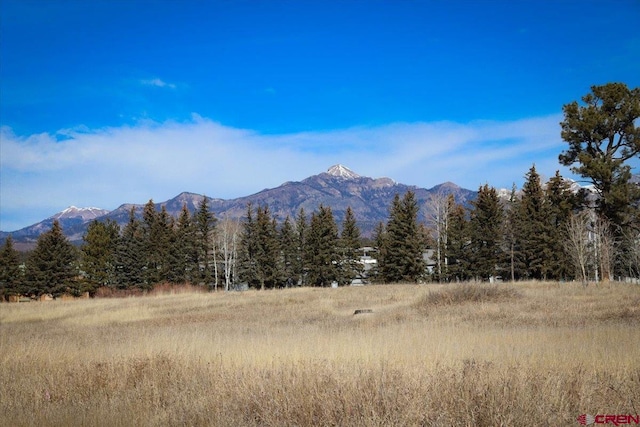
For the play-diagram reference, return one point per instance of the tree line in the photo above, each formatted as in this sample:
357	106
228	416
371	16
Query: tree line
545	231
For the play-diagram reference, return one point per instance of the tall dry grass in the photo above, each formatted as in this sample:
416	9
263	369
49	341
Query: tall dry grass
524	354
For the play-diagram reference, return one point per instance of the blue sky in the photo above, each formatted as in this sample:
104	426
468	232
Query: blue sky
107	102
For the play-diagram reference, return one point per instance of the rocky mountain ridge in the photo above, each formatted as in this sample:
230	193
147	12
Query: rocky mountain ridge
339	187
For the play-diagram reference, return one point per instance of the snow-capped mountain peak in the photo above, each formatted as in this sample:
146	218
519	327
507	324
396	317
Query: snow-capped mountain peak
341	171
83	213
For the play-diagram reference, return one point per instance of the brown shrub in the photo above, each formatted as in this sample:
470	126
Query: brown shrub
468	293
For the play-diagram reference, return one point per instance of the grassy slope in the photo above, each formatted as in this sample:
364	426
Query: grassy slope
526	354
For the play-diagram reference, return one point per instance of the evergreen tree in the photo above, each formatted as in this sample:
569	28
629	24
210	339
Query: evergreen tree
351	267
51	267
157	229
184	267
561	204
301	247
603	136
288	252
534	228
267	249
404	243
458	242
11	275
485	225
130	258
322	245
99	252
512	243
205	222
248	252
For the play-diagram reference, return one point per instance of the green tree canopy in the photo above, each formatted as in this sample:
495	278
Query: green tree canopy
205	223
349	246
485	223
99	251
533	227
322	243
603	134
11	280
130	260
51	267
402	261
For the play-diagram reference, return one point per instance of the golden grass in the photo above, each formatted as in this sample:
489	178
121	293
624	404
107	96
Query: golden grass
523	354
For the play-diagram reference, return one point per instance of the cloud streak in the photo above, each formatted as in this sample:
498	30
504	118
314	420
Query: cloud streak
157	83
42	175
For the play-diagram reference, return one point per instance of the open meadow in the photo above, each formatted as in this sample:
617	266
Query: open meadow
432	355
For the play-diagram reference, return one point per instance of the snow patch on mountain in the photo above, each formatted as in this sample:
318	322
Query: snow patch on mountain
85	214
341	171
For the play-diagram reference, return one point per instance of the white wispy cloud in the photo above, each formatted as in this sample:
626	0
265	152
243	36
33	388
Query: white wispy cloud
158	83
42	175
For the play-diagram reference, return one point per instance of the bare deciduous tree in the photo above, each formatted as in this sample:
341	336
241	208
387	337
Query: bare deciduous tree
590	245
604	248
437	215
577	244
228	232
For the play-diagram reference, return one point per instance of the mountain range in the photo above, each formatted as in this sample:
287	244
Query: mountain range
338	187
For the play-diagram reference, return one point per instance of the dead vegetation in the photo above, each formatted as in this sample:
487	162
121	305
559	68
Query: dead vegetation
523	354
461	293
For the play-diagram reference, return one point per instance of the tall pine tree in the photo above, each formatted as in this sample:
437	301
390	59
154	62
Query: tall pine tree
205	223
485	223
351	267
458	243
288	252
534	228
404	243
51	267
561	202
99	253
301	247
130	259
248	251
322	242
11	275
267	249
185	256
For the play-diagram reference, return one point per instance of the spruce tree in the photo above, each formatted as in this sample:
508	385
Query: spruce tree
561	202
511	236
130	257
267	249
301	247
322	243
534	228
288	252
404	243
248	251
205	222
51	267
458	242
185	257
157	227
11	275
99	253
391	263
485	223
351	267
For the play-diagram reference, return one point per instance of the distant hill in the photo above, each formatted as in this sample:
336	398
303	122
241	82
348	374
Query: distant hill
338	187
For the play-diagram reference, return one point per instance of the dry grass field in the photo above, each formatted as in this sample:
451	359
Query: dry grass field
458	355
